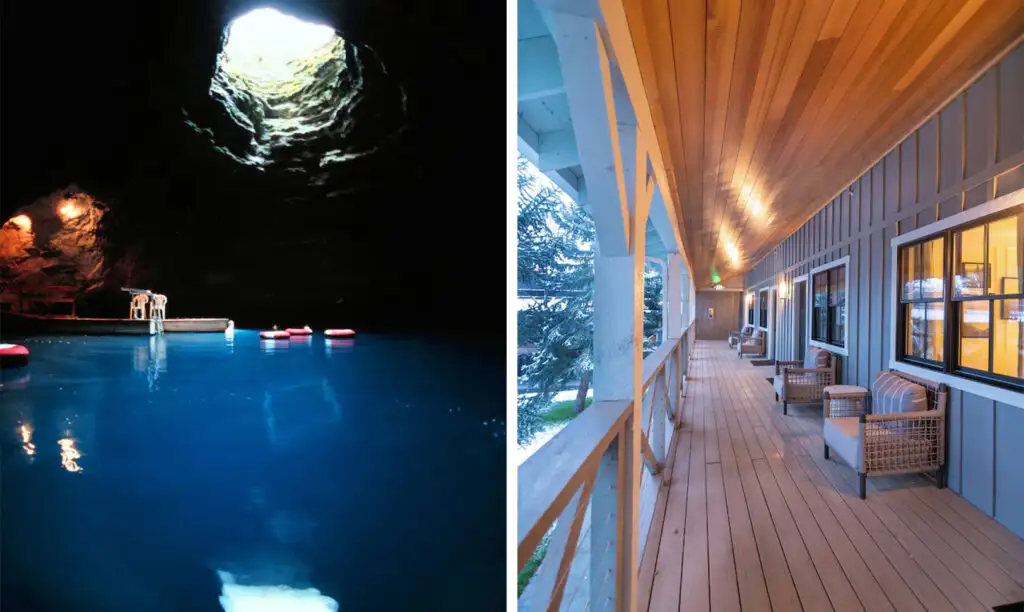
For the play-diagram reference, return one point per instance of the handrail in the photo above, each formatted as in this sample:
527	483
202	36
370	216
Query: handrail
557	482
550	477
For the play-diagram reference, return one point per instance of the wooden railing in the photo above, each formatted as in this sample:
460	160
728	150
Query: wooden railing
574	492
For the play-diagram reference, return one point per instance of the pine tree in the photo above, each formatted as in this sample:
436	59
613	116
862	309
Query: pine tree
556	259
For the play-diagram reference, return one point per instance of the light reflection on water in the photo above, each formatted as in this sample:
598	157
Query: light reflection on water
69	455
132	451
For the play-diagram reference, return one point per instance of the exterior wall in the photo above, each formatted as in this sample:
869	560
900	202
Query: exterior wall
727	313
968	153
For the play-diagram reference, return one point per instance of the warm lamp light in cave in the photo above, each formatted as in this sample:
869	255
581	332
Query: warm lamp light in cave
68	210
22	222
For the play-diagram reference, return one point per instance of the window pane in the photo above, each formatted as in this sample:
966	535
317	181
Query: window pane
820	321
764	308
837	305
1003	242
969	263
936	331
932	265
916	330
908	271
974	329
1008	339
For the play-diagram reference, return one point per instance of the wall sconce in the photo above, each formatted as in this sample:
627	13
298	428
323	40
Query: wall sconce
750	299
783	290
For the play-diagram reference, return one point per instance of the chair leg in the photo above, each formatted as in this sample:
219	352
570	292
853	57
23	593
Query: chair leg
826	450
862	485
940	477
776	397
785	408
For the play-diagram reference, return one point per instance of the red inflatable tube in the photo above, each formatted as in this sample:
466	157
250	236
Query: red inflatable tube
339	333
13	356
299	331
274	335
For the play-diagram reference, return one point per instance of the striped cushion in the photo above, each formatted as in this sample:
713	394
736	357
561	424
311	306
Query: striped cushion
757	333
892	394
817	358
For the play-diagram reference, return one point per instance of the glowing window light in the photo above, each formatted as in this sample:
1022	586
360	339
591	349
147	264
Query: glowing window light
69	455
266	45
69	210
22	222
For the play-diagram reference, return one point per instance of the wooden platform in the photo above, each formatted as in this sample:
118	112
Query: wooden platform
756	519
195	325
96	326
37	324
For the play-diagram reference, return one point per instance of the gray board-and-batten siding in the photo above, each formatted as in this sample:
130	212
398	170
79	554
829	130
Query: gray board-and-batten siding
968	153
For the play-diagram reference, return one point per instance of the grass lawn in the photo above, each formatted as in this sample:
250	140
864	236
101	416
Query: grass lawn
563	411
531	566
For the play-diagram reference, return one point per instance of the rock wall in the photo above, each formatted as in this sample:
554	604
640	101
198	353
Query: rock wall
54	241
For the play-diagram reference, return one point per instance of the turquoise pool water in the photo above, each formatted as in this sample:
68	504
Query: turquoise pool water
207	471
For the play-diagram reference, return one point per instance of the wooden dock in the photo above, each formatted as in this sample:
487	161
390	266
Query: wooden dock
39	324
195	325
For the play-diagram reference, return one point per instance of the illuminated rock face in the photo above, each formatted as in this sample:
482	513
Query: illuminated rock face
297	90
53	242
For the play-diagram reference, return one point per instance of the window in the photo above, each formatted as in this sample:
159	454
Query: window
977	330
750	309
987	298
922	297
762	298
828	305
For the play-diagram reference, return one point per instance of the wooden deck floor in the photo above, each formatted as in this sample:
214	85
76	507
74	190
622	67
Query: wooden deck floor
756	519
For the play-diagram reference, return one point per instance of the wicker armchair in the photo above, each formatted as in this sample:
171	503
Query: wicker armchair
738	336
804	382
753	345
902	432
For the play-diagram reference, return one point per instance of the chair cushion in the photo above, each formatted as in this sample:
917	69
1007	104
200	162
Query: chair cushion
842	436
892	394
747	330
778	386
758	333
816	358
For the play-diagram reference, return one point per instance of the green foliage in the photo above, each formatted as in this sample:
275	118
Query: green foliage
555	257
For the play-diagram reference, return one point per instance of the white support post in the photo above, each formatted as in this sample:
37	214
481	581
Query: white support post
618	374
673	289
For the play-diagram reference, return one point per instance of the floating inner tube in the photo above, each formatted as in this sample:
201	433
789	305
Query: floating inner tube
299	331
13	356
339	333
274	335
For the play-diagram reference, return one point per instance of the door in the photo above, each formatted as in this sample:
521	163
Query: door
800	312
717	313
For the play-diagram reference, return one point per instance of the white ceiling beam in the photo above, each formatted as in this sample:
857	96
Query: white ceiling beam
540	74
662	222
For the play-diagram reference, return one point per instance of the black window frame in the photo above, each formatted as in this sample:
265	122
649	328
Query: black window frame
826	339
762	308
951	304
903	304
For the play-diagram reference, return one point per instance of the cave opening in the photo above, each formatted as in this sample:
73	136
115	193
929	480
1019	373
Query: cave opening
279	78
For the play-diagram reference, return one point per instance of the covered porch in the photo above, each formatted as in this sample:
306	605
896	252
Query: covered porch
751	145
754	517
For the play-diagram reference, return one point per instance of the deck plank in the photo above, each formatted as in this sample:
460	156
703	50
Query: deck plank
695	587
755	517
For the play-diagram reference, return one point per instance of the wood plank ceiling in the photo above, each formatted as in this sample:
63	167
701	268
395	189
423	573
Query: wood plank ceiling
764	110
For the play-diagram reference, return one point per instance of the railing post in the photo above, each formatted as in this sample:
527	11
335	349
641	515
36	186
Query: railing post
604	527
658	413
